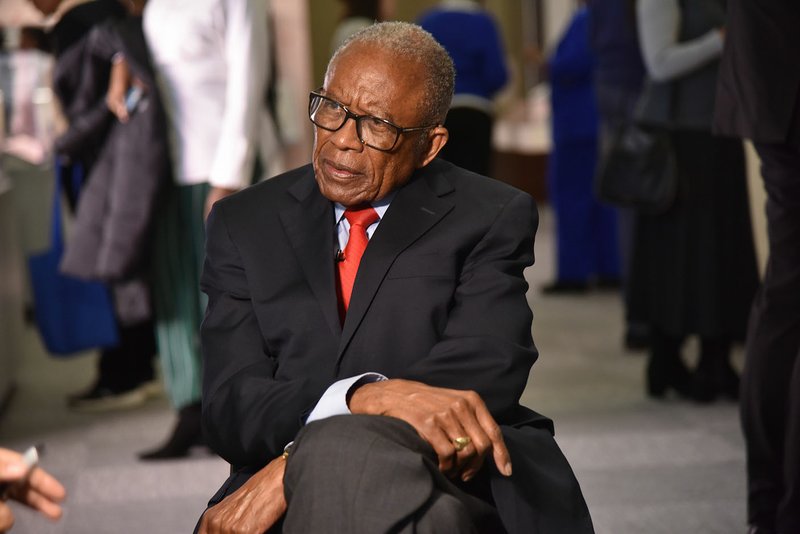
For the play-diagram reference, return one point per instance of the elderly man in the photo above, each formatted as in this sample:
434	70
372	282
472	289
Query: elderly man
396	388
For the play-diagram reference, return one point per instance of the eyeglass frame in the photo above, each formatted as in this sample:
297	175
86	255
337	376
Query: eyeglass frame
357	118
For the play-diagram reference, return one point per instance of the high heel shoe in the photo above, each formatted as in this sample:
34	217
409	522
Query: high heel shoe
717	379
715	376
186	434
664	375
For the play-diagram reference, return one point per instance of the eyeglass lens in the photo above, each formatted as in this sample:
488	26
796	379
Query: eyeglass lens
331	115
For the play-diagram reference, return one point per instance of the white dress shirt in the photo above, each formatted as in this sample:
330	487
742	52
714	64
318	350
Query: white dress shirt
211	59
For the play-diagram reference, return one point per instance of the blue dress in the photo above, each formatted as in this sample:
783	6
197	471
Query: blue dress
586	233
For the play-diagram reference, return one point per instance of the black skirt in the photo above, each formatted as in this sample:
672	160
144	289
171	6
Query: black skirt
694	267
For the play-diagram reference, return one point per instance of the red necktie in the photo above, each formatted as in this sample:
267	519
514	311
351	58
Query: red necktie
360	220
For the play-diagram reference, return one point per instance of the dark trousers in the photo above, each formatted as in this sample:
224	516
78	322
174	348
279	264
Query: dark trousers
130	363
357	473
770	399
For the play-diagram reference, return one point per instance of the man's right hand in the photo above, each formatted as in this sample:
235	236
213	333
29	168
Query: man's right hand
440	416
255	507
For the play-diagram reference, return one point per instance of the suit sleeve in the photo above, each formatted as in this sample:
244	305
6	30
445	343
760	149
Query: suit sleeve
248	414
487	344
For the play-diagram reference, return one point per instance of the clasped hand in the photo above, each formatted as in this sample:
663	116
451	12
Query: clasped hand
440	416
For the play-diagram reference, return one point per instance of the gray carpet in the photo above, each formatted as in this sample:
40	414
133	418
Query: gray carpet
645	466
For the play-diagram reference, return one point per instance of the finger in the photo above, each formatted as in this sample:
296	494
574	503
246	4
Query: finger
458	421
38	502
12	470
437	437
6	517
12	467
480	443
502	458
46	484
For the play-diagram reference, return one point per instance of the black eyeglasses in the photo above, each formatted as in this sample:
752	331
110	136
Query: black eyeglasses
374	132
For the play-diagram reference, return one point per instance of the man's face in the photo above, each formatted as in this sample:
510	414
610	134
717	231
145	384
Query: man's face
369	82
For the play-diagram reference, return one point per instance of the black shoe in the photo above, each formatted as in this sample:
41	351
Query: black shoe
717	379
565	288
186	434
636	340
102	398
608	284
663	376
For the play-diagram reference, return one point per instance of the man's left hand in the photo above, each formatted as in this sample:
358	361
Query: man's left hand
255	507
440	416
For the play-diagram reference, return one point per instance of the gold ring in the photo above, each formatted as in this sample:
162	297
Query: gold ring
461	443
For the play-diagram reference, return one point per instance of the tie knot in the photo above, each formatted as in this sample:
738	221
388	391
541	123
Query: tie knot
361	216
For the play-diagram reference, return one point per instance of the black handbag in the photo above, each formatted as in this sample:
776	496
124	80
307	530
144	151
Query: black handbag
638	171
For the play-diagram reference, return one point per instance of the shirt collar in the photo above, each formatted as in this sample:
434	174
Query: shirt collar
379	206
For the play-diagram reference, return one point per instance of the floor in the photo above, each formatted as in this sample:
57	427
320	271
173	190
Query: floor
645	466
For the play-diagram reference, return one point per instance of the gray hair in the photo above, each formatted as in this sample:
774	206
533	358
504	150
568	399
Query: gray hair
412	42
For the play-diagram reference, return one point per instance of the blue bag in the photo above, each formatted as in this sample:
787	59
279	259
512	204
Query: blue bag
72	315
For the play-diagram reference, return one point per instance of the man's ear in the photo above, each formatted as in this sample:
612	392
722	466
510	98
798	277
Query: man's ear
437	138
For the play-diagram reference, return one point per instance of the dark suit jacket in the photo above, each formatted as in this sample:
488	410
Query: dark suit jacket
759	81
439	298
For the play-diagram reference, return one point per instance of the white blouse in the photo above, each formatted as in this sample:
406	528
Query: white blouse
211	63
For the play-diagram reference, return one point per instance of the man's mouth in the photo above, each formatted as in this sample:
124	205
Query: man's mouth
340	171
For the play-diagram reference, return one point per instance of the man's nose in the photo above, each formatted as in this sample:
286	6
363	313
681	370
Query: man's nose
346	137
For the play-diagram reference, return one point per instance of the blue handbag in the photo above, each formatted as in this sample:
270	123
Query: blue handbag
71	314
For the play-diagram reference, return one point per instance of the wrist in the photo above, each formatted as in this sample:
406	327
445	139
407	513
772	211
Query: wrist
363	400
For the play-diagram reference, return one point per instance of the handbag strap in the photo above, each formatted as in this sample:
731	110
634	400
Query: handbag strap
76	177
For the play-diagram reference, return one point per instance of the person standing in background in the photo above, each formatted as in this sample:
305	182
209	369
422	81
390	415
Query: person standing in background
108	238
211	63
694	265
586	231
357	15
758	97
618	78
471	37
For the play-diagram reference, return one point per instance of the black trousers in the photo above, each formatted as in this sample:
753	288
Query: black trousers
130	363
770	397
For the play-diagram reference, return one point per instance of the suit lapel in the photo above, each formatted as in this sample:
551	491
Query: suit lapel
415	209
309	227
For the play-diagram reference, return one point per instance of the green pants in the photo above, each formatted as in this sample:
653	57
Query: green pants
179	303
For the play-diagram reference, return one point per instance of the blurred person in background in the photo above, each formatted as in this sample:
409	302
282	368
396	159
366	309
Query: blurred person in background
618	77
694	265
211	60
587	251
69	22
359	14
758	97
472	38
112	221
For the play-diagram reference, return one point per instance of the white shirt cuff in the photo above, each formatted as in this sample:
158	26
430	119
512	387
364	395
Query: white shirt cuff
334	400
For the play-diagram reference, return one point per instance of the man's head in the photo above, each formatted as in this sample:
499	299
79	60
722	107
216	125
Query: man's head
393	71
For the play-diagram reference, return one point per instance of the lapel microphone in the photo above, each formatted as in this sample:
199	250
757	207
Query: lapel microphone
339	256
